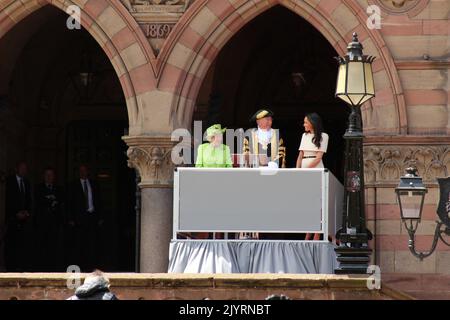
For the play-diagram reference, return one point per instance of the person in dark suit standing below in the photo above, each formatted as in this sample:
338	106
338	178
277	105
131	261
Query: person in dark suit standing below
18	220
85	218
48	219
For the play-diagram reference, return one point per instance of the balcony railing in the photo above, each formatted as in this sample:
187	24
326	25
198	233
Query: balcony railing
256	200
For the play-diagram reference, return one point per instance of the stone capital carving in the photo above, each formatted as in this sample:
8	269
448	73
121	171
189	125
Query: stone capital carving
151	156
385	164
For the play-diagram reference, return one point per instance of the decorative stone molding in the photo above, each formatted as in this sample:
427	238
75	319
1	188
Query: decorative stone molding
159	6
422	65
411	7
385	164
151	156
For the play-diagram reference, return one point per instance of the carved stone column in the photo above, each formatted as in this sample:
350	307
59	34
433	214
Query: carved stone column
151	156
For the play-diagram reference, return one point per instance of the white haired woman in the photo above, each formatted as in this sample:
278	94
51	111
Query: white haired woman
214	154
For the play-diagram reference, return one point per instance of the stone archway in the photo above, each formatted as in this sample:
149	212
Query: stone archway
209	24
44	106
116	31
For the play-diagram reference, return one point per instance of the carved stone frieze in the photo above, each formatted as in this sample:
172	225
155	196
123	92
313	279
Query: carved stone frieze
386	164
161	6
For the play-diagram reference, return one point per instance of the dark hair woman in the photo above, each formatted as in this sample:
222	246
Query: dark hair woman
314	123
314	144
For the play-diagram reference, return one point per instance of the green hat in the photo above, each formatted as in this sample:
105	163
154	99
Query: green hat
214	130
262	113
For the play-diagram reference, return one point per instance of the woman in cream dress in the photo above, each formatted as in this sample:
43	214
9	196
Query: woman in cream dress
312	148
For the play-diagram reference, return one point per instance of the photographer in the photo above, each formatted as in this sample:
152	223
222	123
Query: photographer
96	286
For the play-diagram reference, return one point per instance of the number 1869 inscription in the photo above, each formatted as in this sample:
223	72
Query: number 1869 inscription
157	31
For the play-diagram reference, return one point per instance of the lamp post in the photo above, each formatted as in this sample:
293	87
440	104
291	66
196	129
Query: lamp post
411	196
84	78
354	86
86	74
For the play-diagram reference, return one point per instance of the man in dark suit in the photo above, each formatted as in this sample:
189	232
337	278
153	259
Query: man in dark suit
48	218
85	218
18	220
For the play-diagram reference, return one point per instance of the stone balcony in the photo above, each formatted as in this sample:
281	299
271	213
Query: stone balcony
129	286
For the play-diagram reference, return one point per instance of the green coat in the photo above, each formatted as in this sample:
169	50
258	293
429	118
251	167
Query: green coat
211	157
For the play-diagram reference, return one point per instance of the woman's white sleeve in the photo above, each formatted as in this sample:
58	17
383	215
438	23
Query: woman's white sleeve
302	146
324	143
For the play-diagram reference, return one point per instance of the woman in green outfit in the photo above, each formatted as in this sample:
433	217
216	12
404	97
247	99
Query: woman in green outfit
214	154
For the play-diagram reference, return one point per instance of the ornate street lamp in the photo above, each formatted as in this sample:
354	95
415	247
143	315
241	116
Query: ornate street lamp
411	196
355	86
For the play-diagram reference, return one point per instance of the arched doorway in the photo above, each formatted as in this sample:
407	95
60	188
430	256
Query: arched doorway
62	105
264	65
195	42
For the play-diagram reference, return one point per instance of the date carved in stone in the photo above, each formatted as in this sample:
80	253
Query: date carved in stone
156	34
386	164
157	18
157	30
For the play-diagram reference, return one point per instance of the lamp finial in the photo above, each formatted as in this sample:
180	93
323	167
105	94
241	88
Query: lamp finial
355	48
411	172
